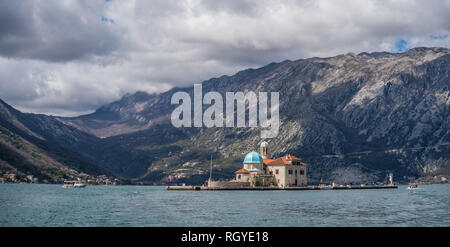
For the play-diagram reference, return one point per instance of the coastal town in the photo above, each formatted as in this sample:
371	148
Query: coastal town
259	171
9	177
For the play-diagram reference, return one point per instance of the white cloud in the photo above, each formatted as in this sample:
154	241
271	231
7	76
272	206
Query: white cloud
59	57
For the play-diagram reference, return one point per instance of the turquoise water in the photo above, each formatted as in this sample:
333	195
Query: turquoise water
52	205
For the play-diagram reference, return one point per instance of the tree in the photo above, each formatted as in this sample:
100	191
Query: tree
257	181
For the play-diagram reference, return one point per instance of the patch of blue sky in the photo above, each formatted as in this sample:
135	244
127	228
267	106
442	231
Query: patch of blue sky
104	19
439	36
401	45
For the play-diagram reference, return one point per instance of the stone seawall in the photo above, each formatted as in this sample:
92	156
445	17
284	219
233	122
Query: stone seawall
228	184
236	187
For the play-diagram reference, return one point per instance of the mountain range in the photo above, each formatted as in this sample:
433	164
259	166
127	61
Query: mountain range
353	118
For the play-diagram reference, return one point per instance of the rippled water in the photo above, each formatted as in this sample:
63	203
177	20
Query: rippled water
52	205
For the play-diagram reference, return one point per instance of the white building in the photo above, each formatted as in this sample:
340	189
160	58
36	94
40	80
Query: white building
261	170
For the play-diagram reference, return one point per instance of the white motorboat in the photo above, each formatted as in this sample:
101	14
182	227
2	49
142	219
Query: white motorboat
73	184
412	186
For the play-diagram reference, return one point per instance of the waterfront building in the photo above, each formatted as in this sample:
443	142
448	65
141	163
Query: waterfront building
12	177
259	169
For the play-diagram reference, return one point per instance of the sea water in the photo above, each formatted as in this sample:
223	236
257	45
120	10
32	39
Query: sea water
52	205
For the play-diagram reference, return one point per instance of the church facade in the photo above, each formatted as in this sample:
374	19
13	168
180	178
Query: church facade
259	169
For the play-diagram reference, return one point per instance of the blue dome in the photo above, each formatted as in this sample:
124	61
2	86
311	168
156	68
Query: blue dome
253	157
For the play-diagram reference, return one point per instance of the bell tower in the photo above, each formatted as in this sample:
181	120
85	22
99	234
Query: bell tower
264	150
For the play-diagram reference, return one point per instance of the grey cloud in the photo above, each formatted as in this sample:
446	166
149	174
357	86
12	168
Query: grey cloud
54	30
242	7
59	57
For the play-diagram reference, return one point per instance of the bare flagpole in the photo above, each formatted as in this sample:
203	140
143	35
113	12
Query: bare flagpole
210	172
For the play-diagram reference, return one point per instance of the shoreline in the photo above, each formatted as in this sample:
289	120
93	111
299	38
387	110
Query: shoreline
200	188
419	183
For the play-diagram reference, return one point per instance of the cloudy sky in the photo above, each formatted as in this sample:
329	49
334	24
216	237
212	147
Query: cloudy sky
65	57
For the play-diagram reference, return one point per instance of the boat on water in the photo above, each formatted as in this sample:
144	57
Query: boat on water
73	184
412	186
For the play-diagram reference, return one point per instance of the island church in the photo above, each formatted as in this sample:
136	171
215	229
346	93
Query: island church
259	169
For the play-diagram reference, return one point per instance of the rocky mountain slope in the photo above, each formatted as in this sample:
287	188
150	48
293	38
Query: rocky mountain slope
353	118
38	148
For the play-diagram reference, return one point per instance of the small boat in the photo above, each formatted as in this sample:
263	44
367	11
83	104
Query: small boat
73	184
412	186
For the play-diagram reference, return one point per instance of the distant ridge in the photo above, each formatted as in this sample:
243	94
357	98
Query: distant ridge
354	118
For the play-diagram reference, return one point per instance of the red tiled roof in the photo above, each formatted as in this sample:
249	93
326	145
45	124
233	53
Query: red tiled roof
284	160
279	161
243	170
291	157
265	161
